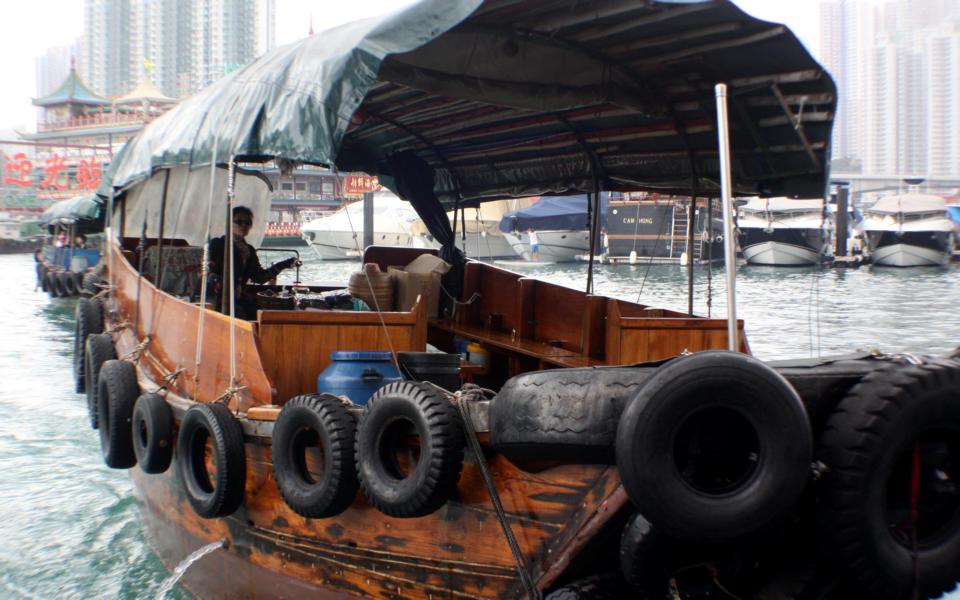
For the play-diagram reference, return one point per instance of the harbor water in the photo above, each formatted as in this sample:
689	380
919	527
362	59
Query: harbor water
69	526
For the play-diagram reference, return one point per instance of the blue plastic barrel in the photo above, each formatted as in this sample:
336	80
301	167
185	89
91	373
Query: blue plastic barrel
357	375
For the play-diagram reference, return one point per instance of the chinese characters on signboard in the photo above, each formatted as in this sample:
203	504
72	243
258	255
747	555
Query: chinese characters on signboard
56	173
358	185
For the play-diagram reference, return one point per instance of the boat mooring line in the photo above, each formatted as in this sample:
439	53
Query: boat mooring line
463	404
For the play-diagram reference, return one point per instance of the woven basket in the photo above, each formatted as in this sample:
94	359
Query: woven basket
372	278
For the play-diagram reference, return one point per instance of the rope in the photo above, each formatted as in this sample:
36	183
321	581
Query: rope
467	394
135	354
170	379
204	270
231	392
650	262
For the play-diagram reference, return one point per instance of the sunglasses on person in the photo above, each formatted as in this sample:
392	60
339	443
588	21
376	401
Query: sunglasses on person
246	222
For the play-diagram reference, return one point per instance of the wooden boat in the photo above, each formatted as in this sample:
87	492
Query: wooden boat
556	471
62	263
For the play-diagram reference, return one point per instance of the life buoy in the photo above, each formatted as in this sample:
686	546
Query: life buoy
320	422
67	283
117	390
214	424
396	480
89	320
891	449
99	349
714	446
152	430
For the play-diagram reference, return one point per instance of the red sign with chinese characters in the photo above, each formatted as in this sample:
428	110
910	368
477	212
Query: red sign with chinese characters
17	170
57	175
358	185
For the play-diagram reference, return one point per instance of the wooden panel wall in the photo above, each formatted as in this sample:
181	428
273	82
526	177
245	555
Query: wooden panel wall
296	345
173	325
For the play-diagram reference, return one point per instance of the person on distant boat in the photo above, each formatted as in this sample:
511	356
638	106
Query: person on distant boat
80	241
534	245
246	266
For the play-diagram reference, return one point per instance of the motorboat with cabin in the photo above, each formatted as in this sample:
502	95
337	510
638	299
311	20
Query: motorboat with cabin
784	232
339	235
561	224
909	230
597	445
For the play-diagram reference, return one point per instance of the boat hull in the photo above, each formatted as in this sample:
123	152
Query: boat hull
348	245
457	552
784	247
909	249
553	246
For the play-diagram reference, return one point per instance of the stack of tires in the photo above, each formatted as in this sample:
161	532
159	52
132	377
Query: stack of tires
716	453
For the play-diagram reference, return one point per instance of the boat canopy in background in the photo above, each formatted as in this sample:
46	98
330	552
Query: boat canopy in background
83	211
511	98
554	213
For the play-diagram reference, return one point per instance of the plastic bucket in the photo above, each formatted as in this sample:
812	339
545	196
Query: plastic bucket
357	375
436	367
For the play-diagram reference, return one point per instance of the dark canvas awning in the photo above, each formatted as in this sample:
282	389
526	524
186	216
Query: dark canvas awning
82	210
522	97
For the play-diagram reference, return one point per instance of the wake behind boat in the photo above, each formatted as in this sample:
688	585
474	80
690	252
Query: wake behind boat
909	230
783	231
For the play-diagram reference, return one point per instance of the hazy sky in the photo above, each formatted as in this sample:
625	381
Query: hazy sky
28	28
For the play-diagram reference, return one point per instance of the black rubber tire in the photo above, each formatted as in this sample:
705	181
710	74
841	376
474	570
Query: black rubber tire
68	284
91	283
152	433
562	414
644	557
323	421
42	279
99	349
868	449
89	320
54	287
117	390
393	412
714	446
607	586
215	423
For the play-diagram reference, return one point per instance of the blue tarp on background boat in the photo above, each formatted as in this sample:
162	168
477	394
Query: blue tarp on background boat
553	213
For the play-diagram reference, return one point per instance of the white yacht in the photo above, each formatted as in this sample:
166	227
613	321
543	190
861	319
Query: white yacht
339	235
909	230
783	231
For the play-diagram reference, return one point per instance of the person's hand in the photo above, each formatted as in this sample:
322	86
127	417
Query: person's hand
284	264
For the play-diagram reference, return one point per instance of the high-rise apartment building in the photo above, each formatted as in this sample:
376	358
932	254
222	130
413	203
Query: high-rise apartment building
897	69
54	66
181	46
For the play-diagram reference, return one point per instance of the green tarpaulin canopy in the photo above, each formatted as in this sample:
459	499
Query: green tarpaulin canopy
521	97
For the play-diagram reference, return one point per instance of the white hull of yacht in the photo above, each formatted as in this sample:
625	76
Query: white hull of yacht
346	245
780	254
907	255
553	246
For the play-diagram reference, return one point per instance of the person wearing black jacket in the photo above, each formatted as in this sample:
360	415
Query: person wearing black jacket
246	266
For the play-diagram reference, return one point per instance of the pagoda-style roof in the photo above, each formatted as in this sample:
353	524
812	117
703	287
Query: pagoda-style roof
72	91
144	92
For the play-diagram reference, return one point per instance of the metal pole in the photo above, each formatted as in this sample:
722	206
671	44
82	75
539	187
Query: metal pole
691	227
729	253
367	220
